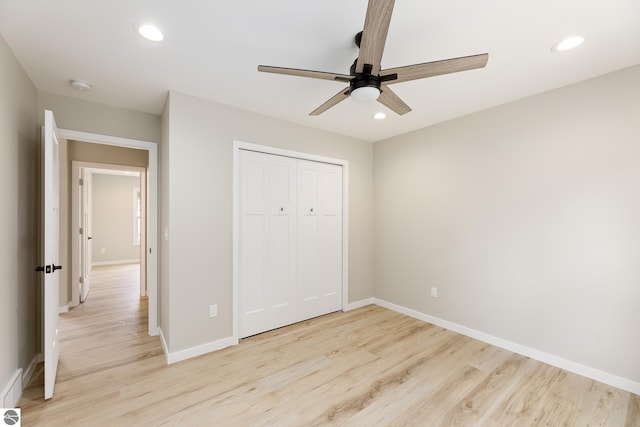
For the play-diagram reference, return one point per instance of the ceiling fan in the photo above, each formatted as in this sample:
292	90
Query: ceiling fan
367	81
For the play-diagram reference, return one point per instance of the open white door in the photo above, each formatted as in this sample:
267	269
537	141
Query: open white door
84	235
81	234
50	248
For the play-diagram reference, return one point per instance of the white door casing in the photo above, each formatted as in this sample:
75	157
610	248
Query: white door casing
50	261
289	254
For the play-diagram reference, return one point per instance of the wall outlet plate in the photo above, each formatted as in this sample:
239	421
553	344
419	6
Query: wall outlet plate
434	292
213	310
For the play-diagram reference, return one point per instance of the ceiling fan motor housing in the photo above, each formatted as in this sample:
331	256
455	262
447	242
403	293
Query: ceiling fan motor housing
364	79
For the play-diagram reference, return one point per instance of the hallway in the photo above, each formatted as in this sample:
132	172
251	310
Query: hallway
107	332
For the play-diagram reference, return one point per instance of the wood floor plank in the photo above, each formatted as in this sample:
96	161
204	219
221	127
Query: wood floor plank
476	405
367	367
607	406
434	405
633	411
523	406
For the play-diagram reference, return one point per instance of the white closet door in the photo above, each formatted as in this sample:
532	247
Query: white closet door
319	275
267	242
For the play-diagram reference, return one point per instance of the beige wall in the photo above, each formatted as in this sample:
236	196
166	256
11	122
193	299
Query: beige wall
527	219
79	115
107	154
199	161
112	218
19	220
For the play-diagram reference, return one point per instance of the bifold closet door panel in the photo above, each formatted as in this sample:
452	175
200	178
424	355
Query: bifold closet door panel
281	250
319	239
267	297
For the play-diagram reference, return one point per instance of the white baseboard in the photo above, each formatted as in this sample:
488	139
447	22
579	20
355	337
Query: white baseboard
12	390
115	262
550	359
196	351
359	304
165	349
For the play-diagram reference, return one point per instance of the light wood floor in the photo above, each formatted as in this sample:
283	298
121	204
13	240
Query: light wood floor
368	367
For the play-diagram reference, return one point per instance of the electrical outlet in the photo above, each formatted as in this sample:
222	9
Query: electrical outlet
213	310
434	292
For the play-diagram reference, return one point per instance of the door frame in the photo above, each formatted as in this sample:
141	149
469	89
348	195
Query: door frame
76	165
239	145
152	213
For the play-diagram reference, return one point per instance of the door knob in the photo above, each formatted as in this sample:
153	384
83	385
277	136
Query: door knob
56	267
40	268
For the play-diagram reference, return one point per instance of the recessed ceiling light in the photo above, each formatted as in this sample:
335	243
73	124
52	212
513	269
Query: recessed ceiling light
149	32
379	116
81	85
567	43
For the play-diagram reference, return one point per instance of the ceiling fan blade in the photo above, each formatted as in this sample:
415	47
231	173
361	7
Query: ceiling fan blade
436	68
340	96
305	73
374	35
389	99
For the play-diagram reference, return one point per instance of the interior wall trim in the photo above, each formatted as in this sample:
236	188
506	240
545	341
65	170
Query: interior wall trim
199	350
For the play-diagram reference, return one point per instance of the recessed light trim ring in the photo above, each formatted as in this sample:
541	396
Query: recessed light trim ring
567	43
149	32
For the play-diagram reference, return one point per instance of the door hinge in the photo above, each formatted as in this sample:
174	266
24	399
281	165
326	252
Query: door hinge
81	231
81	279
80	181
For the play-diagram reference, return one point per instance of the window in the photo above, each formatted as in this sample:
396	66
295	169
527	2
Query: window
137	212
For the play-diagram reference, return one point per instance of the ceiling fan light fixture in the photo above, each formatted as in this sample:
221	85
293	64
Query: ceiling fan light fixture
365	94
567	43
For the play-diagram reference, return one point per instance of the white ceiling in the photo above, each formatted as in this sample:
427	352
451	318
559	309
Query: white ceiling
212	48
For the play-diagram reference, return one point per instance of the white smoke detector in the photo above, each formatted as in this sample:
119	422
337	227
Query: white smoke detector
81	85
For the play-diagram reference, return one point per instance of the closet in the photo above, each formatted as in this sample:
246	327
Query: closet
290	241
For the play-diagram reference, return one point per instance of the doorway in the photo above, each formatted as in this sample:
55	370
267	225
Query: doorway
109	211
151	188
